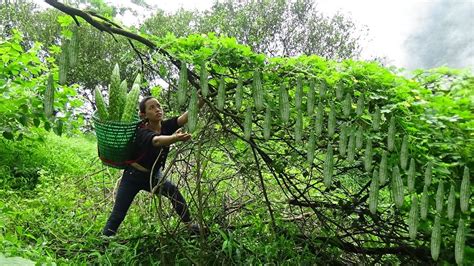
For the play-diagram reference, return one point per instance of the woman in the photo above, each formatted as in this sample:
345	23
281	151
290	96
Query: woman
153	139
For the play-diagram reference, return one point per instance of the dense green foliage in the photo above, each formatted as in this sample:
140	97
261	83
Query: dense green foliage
23	81
96	53
265	197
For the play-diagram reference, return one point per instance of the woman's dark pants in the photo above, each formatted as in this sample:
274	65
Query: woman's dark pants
132	182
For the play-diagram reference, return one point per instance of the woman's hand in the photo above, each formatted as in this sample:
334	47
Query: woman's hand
166	140
179	135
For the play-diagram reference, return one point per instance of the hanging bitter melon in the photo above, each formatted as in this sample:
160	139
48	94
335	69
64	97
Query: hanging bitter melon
331	121
391	134
310	101
397	187
343	139
436	238
284	104
383	168
63	63
424	204
360	105
428	173
239	93
339	90
359	138
48	101
351	147
299	94
182	84
248	123
298	127
322	88
368	156
221	94
347	105
376	118
460	242
73	47
451	202
319	120
404	153
328	166
374	192
193	111
267	124
440	197
413	218
257	90
465	191
411	176
203	79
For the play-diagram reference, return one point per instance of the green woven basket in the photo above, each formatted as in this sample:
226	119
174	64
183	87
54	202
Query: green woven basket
114	141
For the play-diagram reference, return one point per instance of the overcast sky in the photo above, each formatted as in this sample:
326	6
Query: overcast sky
409	33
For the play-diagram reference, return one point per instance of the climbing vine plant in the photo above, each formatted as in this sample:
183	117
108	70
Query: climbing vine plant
351	137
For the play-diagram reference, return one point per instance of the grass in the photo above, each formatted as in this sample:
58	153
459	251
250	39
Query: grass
56	197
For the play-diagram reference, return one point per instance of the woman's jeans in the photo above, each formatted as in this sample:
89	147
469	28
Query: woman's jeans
132	182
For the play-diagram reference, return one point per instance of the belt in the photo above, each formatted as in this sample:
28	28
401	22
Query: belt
158	175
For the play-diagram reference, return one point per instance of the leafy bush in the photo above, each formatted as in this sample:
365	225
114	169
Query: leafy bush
23	80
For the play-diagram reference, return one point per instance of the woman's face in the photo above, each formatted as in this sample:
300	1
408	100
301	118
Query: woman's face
153	110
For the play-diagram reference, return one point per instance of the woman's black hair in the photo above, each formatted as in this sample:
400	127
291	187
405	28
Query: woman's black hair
142	105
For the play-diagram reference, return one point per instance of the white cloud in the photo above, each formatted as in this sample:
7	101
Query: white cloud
389	23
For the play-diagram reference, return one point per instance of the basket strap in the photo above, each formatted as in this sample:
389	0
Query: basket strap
124	163
135	160
113	162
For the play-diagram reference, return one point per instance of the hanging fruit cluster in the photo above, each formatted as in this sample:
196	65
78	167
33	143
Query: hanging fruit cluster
364	133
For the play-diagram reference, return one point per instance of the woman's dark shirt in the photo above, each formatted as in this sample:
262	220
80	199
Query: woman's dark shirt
143	148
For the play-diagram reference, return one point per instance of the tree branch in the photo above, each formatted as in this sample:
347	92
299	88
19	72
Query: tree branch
104	25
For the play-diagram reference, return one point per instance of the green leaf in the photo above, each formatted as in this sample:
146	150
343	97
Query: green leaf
17	47
156	91
24	120
5	58
47	125
36	122
8	135
65	20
